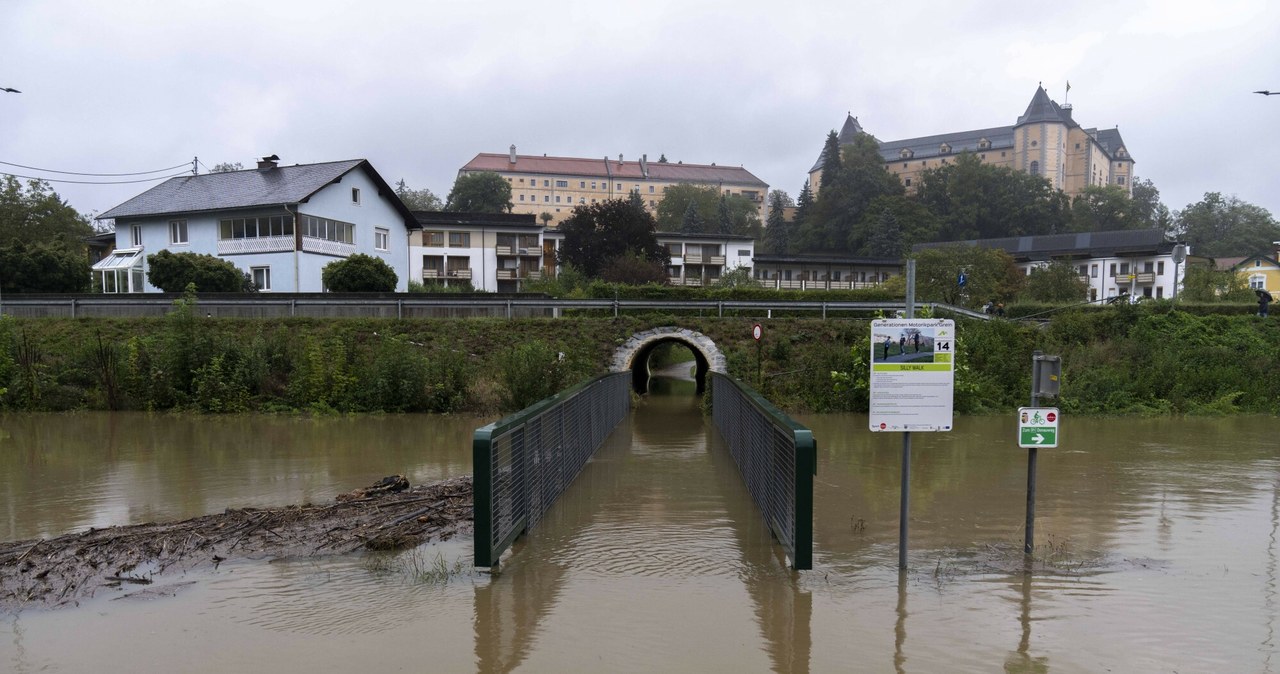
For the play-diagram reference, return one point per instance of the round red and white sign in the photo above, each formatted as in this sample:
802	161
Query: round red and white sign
757	332
1051	417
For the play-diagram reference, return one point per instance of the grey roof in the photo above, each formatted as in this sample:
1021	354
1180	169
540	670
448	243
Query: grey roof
850	130
243	189
1048	246
463	218
1001	138
1043	109
1111	141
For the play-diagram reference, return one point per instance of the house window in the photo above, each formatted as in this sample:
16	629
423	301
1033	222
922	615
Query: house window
1035	168
744	253
459	239
593	184
1148	267
546	183
1093	270
328	230
1258	282
908	182
177	232
1077	146
355	195
1119	180
619	187
651	189
254	228
557	199
582	184
433	238
261	277
1034	143
521	197
381	238
1124	268
1113	270
562	183
135	235
1001	154
1160	267
546	198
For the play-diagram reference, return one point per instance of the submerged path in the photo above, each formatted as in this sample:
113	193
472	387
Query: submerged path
63	570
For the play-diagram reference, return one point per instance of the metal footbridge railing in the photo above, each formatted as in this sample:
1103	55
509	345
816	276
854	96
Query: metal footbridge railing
522	463
777	458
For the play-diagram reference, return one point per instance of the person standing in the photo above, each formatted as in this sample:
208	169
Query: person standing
1264	299
916	338
902	345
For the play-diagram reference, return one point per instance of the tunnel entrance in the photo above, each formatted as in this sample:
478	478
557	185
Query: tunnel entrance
633	356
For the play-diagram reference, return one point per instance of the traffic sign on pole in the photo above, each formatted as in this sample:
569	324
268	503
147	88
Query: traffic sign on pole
1038	426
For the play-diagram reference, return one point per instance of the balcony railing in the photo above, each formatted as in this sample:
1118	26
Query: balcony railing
716	259
327	247
460	273
503	250
505	274
1145	277
693	258
430	273
264	244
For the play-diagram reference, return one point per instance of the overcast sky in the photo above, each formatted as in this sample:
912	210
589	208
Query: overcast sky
420	88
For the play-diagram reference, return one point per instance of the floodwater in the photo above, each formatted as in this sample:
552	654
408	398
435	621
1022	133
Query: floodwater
1161	537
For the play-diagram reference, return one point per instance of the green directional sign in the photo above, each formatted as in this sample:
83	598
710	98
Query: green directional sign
1038	426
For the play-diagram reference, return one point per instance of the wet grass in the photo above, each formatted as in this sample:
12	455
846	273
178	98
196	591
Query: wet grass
419	566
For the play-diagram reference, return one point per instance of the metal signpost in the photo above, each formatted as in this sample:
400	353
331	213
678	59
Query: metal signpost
912	385
1038	427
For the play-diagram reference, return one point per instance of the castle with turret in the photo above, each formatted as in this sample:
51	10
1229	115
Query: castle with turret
1045	141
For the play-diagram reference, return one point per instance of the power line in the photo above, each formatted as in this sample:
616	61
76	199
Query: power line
96	182
103	175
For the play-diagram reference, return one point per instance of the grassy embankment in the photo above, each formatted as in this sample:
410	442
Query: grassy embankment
1116	360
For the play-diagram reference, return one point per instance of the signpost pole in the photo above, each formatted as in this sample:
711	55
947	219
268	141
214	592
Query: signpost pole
904	507
1028	544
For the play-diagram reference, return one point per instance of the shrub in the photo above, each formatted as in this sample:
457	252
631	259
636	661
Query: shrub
360	273
174	272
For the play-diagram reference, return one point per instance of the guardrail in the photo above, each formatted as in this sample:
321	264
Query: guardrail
522	463
777	458
404	305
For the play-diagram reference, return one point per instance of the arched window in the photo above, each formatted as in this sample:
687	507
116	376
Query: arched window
1035	168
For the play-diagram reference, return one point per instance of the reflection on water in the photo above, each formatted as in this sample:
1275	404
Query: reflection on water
656	559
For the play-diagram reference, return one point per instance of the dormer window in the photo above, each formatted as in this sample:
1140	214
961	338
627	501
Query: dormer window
906	153
984	144
945	149
1120	152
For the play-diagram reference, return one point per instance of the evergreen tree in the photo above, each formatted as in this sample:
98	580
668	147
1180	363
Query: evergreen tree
777	235
845	196
635	199
692	222
885	240
597	235
831	160
723	220
804	205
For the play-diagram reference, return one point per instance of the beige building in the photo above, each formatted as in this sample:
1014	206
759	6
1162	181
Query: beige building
554	185
1045	140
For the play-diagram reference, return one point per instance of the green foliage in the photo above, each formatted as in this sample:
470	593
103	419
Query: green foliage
568	282
418	200
35	214
46	267
850	183
1217	226
483	192
530	372
359	273
975	200
1203	283
1057	282
1099	208
777	233
694	209
1147	209
738	277
596	235
990	274
632	269
173	272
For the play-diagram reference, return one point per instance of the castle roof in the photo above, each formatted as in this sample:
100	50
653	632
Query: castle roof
1111	141
612	169
1043	109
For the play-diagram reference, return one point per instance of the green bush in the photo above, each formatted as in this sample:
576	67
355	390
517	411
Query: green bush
359	273
530	372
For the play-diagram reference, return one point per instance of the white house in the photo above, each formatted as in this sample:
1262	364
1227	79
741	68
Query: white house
823	272
696	259
492	252
1137	262
281	224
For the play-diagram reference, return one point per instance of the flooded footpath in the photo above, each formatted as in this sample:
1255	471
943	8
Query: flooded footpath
1157	551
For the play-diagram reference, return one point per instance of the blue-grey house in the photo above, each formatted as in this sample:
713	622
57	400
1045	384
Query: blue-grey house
281	224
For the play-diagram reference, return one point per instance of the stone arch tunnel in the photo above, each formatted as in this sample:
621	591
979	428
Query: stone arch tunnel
633	355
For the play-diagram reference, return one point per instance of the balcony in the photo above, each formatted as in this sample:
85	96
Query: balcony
263	244
327	247
1146	277
460	273
693	258
504	250
505	274
430	273
716	260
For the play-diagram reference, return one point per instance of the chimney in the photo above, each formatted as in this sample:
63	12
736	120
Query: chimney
1066	110
268	163
619	159
644	165
513	153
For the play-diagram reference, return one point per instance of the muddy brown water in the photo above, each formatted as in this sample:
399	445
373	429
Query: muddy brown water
1161	537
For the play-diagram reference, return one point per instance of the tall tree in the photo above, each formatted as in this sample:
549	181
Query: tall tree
1100	208
990	274
724	223
744	214
596	235
418	200
804	206
692	222
886	239
1057	282
974	200
1147	208
35	213
42	267
777	233
483	192
634	198
1217	225
845	195
1220	225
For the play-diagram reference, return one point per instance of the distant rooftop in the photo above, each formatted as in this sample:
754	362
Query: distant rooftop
604	167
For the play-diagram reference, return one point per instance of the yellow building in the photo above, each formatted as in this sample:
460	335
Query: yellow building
1045	140
1259	272
554	185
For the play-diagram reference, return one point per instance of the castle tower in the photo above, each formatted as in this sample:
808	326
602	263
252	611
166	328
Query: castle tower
1040	139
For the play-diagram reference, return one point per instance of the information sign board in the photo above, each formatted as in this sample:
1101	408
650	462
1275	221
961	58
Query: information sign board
1038	426
912	374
